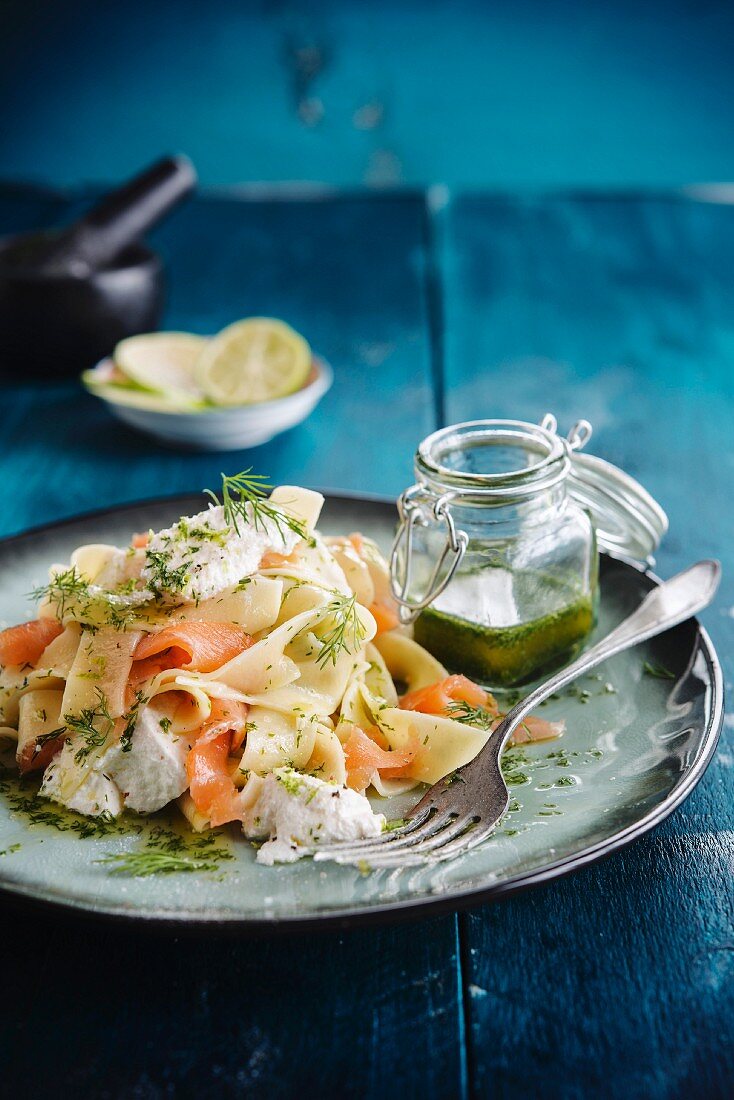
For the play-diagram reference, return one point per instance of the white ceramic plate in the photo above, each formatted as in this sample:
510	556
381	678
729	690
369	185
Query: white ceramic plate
627	759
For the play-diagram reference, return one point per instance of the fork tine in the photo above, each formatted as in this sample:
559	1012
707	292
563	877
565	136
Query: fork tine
423	850
395	841
464	843
389	837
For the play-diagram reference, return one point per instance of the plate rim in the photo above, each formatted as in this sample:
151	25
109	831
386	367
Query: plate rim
401	910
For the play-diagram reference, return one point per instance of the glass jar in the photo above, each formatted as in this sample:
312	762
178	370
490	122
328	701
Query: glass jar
496	560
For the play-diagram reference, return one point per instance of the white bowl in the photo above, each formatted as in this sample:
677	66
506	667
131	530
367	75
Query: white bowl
223	429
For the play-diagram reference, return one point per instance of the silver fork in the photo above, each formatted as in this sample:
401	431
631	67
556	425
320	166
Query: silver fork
460	812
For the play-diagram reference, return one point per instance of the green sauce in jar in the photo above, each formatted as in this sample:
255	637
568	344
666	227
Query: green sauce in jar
505	656
495	560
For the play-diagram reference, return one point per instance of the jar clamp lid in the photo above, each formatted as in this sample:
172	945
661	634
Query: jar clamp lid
627	519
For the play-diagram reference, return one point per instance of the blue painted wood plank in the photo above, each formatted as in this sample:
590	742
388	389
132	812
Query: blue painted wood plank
136	1014
618	981
379	1012
534	92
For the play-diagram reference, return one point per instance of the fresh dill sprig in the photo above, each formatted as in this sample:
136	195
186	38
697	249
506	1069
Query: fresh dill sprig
93	725
70	592
660	672
153	862
244	500
347	632
64	588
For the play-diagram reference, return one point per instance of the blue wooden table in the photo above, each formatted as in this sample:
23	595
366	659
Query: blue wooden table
616	981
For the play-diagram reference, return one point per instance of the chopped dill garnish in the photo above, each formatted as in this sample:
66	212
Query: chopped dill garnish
142	864
660	672
395	823
120	617
167	852
244	499
38	812
130	718
126	588
93	725
471	716
165	724
204	533
163	579
347	631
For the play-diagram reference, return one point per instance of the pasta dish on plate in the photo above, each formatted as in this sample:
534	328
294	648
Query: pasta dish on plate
241	666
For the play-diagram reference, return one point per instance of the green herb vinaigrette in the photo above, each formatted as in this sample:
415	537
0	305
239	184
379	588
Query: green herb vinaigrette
165	844
505	655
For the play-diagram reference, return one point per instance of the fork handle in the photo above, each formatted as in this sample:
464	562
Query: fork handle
668	604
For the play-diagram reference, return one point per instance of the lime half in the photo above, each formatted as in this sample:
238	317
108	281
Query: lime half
135	398
259	359
164	362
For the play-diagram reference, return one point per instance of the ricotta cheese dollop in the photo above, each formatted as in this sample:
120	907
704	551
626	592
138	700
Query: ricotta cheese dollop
200	556
150	770
298	812
97	793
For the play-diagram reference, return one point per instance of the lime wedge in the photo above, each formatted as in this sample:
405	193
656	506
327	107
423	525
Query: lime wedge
163	362
259	359
136	398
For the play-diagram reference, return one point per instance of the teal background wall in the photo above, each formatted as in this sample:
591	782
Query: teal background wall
348	93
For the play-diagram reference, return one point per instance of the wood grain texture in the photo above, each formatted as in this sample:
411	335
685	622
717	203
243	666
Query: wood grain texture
128	1014
620	980
124	1014
535	92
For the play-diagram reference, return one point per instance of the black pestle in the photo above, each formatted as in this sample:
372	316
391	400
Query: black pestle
67	297
118	221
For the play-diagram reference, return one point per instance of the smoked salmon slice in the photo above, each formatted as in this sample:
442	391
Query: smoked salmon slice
271	559
31	761
364	755
537	729
384	609
24	644
201	647
385	615
211	786
437	698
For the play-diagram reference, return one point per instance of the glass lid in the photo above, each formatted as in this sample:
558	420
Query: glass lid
627	519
